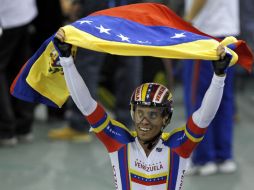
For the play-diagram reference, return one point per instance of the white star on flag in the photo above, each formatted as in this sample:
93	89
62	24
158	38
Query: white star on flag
103	30
84	21
124	38
143	42
178	35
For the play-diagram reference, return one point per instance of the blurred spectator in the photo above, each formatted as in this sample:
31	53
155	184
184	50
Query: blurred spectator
49	19
89	64
247	24
247	34
215	153
16	116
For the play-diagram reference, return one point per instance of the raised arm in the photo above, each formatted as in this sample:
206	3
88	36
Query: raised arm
212	99
185	140
113	134
77	87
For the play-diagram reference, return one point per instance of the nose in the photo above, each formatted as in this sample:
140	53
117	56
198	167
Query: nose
145	121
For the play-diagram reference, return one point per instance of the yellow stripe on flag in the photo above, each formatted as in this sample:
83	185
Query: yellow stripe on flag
200	49
47	70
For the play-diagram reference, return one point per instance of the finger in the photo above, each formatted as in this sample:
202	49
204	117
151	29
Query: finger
221	51
223	55
60	35
61	31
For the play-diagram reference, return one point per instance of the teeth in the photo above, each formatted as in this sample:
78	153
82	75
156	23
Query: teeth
144	129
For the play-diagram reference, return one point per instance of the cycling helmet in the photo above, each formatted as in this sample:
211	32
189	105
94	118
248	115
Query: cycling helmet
152	95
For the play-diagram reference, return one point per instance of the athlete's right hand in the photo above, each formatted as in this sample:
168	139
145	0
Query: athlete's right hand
63	49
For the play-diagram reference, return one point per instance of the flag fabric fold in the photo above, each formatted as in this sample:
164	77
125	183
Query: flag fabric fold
145	29
22	90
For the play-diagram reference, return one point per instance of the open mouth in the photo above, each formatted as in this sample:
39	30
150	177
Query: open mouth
144	129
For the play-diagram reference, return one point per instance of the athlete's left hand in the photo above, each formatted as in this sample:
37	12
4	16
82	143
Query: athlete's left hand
220	66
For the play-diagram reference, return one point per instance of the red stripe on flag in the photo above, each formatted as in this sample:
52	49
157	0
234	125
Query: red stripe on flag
13	85
161	15
245	54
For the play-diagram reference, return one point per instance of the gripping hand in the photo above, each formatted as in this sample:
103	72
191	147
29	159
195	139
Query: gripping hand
63	49
220	66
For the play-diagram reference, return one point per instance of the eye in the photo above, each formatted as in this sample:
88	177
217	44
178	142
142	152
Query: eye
153	115
140	113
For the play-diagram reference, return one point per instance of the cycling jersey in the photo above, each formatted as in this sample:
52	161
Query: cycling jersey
163	169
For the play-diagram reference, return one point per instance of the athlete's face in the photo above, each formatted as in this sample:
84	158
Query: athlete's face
148	122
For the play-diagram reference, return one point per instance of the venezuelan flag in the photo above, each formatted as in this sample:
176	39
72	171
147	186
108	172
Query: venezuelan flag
21	89
145	29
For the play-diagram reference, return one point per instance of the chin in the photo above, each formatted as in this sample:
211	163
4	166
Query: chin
145	137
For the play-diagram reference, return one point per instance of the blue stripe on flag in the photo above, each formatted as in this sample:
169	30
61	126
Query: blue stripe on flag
25	92
122	30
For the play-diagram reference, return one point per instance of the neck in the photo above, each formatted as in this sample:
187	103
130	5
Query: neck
149	145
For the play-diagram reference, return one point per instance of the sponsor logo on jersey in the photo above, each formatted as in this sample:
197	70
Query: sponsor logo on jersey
115	177
181	183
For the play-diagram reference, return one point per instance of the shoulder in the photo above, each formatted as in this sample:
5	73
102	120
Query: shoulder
167	135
